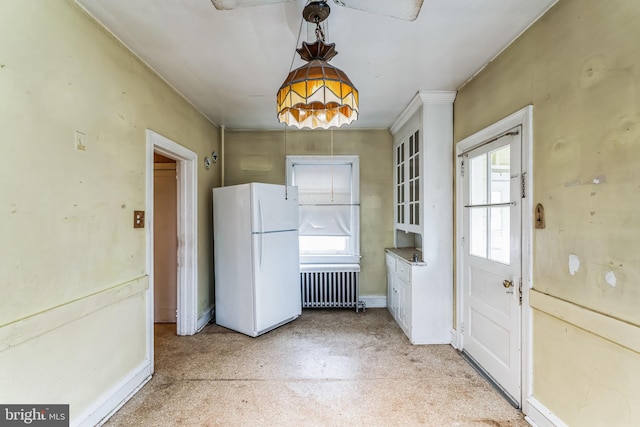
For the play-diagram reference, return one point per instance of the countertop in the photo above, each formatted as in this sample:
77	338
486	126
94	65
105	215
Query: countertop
406	254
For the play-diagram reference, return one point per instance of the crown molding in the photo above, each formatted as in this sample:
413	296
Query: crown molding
422	97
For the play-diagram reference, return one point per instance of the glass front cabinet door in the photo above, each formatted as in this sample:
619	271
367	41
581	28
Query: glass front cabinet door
407	182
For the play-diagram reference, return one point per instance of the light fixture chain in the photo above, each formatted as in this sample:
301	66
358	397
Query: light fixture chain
332	165
293	58
319	32
286	175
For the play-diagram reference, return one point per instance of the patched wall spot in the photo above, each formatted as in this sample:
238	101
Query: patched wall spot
574	264
610	277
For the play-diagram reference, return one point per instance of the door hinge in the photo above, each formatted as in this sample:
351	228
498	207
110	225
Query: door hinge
462	168
520	290
462	241
523	184
462	328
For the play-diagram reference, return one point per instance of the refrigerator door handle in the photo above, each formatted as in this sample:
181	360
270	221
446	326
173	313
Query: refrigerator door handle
260	216
261	249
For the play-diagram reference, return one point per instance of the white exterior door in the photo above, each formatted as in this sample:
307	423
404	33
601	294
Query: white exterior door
491	320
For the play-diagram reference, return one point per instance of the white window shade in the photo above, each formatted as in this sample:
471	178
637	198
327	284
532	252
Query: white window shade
326	220
329	211
321	184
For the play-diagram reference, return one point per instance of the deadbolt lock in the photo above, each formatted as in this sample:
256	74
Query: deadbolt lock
507	283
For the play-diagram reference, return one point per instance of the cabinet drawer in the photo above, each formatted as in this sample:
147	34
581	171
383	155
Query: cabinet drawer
391	263
403	270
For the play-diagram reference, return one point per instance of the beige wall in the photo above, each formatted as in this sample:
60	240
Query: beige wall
580	68
73	287
260	157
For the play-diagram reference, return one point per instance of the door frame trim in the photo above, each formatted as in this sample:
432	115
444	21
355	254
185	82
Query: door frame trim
187	175
523	118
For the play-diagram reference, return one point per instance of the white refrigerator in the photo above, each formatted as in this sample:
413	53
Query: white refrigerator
256	259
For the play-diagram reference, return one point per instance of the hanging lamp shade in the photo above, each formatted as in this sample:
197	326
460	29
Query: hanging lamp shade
317	95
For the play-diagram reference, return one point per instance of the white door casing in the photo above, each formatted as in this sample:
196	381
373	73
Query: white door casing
495	301
187	174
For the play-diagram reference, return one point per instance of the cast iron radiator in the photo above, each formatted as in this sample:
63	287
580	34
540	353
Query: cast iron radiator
331	286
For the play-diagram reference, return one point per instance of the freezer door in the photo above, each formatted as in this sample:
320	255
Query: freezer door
276	279
275	207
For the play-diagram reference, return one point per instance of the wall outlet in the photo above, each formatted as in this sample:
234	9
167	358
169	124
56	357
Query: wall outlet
80	140
138	219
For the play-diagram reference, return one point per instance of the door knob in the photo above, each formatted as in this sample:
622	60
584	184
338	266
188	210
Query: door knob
507	283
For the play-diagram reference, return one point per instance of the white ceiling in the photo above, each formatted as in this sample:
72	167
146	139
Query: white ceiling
230	64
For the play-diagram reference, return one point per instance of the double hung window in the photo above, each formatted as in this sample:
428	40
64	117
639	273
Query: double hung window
328	195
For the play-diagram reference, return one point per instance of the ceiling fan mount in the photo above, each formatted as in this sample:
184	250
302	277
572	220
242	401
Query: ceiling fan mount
407	10
316	11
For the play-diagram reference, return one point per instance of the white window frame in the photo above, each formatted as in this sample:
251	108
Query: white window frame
354	242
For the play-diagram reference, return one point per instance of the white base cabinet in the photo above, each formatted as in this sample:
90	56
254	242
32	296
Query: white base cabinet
421	307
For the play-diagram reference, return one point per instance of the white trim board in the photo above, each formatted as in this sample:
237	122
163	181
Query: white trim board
523	118
539	416
46	321
374	301
617	331
101	410
205	318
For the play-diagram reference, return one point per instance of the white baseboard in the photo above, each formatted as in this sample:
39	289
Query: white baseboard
100	411
539	416
204	318
374	301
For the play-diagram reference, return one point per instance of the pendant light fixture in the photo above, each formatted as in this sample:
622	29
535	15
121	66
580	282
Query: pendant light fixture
317	95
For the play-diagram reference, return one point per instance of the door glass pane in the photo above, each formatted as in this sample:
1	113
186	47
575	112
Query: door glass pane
411	170
478	180
500	175
478	232
410	215
411	194
500	234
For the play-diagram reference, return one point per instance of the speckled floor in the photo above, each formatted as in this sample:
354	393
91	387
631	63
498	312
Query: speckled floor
327	368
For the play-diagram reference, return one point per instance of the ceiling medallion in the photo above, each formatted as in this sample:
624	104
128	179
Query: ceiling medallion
317	95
